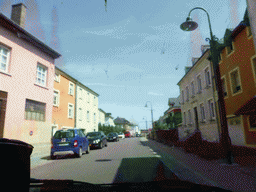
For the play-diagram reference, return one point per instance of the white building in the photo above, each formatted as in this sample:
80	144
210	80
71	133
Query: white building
86	108
109	120
197	100
102	117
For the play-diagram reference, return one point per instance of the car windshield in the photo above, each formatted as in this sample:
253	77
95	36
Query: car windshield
175	79
64	134
93	134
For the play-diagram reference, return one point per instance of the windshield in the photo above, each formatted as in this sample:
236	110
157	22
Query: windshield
93	134
175	86
64	134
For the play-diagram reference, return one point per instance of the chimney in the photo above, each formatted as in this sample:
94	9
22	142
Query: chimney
19	14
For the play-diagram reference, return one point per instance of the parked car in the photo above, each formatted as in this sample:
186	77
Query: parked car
97	139
127	134
121	135
112	137
138	135
69	141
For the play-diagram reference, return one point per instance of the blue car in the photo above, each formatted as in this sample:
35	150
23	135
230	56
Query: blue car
69	142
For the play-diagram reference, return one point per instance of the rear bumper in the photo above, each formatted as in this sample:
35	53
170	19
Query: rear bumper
65	151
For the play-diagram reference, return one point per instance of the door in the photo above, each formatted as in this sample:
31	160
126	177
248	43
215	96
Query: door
3	102
196	118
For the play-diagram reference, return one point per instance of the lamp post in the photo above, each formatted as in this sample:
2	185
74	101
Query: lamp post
151	112
225	140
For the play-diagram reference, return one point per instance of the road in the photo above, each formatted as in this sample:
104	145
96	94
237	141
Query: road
97	167
102	165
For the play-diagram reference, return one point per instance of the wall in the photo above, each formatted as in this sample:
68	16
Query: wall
20	85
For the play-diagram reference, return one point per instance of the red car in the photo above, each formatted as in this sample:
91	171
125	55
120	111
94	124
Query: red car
127	134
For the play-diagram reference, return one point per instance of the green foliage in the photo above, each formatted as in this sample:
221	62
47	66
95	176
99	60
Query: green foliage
171	122
108	129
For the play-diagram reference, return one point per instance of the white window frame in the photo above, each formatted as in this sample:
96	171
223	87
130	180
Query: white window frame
94	117
189	117
187	93
232	51
57	77
71	91
58	98
254	67
211	109
199	83
72	108
43	73
192	88
88	97
207	75
81	93
202	112
7	59
94	100
239	81
80	114
88	116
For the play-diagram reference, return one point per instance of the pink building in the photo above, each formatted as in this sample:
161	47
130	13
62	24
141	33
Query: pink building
26	83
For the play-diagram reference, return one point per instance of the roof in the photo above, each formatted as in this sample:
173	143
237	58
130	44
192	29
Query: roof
76	81
194	65
102	111
248	108
23	34
121	121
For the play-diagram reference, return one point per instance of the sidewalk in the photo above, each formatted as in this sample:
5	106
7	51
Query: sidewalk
232	177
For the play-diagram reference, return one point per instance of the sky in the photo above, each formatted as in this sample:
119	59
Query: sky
130	51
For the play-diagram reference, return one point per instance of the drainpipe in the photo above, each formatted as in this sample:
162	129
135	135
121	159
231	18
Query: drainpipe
75	105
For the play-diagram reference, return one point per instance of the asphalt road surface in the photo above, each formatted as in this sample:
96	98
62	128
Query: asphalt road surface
98	167
103	166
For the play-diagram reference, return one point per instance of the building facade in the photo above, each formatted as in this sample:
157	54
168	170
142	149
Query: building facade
102	117
197	100
26	83
109	120
64	101
238	73
87	115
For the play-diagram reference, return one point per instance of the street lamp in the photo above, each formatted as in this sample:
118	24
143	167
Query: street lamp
190	25
151	113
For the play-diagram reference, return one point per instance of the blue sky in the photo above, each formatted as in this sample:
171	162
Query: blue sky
129	53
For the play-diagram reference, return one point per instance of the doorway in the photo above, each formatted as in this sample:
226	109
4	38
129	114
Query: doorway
3	102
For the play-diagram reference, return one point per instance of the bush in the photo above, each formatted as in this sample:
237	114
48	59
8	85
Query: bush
108	129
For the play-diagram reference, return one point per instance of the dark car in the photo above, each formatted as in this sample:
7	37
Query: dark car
69	141
113	137
97	139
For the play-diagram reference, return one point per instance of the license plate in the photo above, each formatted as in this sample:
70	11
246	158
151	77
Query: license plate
63	144
63	140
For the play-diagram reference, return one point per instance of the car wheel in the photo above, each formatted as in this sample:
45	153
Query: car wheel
80	153
53	157
101	146
88	150
106	144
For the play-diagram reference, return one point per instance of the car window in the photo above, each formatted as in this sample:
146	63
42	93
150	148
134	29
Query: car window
64	134
93	134
80	133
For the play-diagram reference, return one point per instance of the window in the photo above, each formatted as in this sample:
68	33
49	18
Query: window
187	92
88	116
199	84
230	48
235	81
202	112
41	75
211	109
70	111
81	93
88	97
56	98
57	77
207	77
71	88
182	96
184	118
4	59
94	117
189	117
34	110
80	114
94	100
224	88
192	88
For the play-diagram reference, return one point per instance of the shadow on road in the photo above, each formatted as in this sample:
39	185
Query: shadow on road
142	169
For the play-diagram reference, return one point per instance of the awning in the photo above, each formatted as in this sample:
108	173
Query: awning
248	108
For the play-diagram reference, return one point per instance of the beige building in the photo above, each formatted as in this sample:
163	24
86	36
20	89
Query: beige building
197	100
